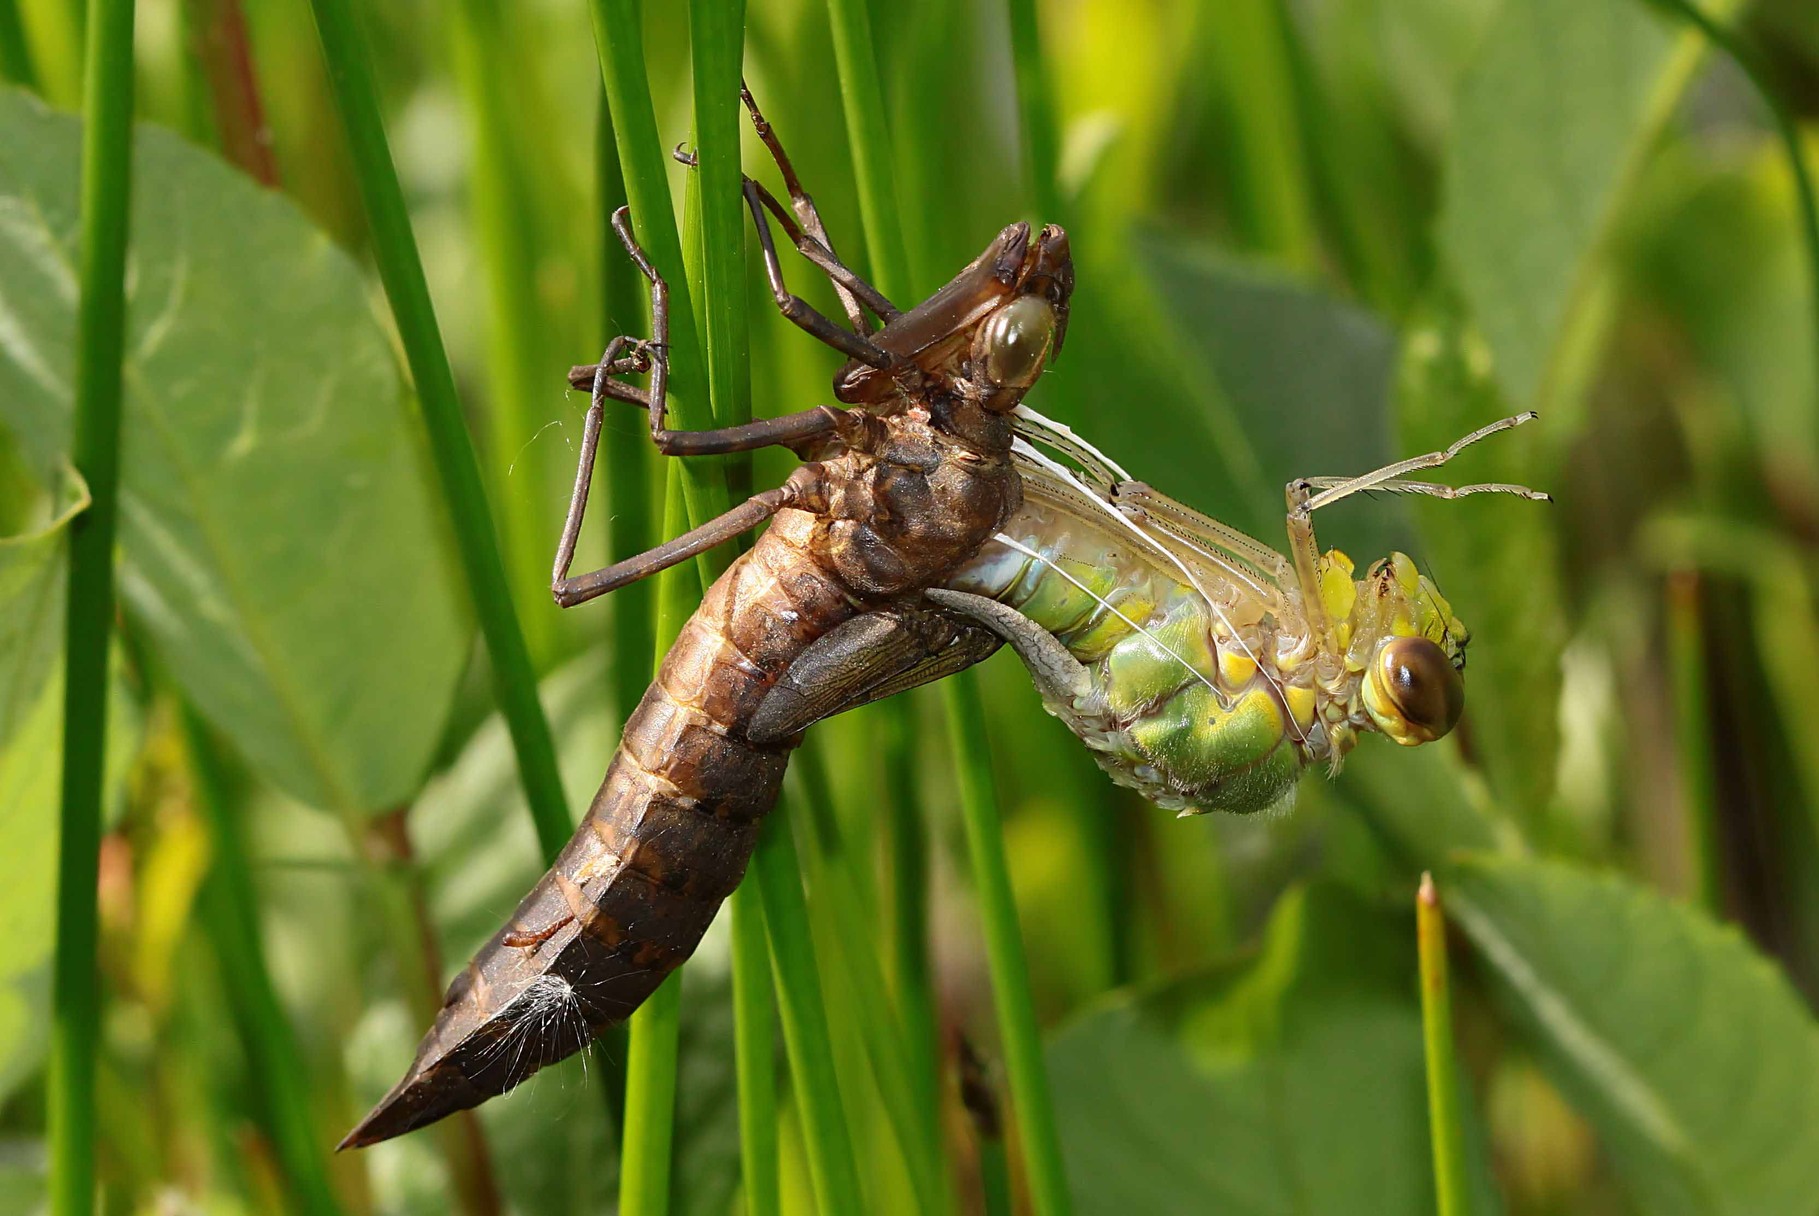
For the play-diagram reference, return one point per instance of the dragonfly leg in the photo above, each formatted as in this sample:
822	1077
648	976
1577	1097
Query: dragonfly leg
805	229
653	357
797	310
802	489
813	228
1308	494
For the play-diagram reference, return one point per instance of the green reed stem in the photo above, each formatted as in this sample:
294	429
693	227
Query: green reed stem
911	1108
1787	129
629	489
89	612
395	250
521	378
754	1046
1693	736
868	135
1035	111
15	53
832	1171
650	1102
905	903
1004	950
232	922
643	163
1445	1129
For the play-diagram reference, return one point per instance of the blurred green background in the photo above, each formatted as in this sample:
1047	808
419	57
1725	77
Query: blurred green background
1311	235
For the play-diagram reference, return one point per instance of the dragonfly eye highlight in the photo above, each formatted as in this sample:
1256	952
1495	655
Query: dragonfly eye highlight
1413	692
1016	340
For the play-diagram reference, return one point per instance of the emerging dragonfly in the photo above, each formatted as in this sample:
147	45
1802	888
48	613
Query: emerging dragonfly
924	530
895	495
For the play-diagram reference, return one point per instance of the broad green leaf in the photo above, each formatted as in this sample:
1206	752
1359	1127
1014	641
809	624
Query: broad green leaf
31	705
280	545
1690	1053
1719	250
1494	557
1290	1082
34	525
1550	124
1305	376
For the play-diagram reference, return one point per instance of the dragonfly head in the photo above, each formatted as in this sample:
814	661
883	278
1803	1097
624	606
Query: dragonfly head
987	334
1413	651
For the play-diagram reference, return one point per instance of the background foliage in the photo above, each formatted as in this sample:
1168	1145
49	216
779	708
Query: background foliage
1310	235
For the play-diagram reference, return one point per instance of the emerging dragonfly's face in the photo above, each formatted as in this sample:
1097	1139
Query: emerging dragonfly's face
987	334
1414	683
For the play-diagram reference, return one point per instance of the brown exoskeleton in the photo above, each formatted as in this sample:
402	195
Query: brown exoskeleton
895	493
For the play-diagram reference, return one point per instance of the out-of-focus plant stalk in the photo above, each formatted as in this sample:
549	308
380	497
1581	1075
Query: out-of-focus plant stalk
107	136
1035	111
1787	129
1693	738
1445	1129
15	55
232	920
221	48
1011	994
395	251
832	1171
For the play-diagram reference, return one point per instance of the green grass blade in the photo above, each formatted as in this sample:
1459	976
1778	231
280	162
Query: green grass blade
232	920
911	1109
1445	1129
868	136
629	483
1016	1006
520	372
1035	111
650	1102
395	250
15	53
805	1028
754	1030
643	166
107	138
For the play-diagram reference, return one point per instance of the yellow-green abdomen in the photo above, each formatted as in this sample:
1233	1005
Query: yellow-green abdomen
1178	705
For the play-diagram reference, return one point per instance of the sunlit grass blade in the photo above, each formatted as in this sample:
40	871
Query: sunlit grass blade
1445	1130
910	1107
650	1100
868	135
805	1028
1016	1006
754	1030
395	251
231	916
1035	111
643	165
107	138
519	373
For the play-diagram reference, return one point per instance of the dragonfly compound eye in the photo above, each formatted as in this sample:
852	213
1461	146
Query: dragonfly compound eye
1413	693
1016	339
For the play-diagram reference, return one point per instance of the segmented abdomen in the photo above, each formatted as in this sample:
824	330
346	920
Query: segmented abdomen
1186	705
666	840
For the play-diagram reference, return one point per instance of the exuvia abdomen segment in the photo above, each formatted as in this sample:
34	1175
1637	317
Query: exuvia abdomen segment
1197	704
